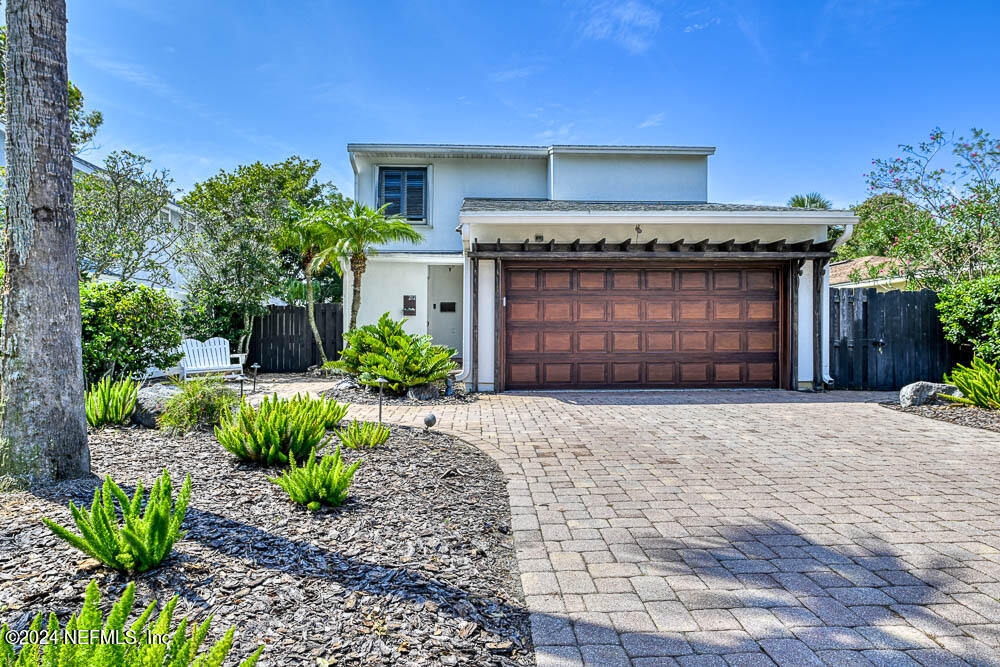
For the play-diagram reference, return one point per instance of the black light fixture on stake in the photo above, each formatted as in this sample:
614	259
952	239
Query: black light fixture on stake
256	367
381	385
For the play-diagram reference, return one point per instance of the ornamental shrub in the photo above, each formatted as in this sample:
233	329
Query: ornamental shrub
127	327
111	643
326	411
979	383
970	315
385	350
319	482
111	402
363	435
147	535
268	433
201	404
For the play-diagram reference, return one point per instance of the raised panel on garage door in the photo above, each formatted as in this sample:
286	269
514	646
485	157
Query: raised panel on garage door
655	325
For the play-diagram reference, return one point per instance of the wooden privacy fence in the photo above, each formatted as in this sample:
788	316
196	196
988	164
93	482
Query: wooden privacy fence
885	340
283	341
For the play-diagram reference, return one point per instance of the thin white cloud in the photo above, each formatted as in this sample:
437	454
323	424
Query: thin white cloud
652	121
629	23
516	73
558	133
695	27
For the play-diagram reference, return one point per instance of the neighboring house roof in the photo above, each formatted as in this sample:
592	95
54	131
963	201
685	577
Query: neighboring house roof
510	205
500	151
840	272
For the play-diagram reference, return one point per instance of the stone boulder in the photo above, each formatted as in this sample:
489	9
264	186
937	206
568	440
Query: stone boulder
347	383
926	393
423	392
151	401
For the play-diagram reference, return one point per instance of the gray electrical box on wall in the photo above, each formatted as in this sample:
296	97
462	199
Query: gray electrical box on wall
409	304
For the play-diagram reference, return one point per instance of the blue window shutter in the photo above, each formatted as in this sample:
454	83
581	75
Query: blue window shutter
415	187
391	191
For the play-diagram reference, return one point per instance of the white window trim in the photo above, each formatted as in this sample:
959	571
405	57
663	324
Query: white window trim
428	192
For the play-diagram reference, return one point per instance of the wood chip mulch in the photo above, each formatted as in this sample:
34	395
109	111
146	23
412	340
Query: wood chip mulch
417	567
963	415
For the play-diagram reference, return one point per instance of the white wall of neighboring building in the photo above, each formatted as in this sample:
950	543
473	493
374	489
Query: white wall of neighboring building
629	178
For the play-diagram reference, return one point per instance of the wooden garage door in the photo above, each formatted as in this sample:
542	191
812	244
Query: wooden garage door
663	326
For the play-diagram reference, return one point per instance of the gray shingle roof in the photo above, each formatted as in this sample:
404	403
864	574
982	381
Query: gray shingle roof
488	204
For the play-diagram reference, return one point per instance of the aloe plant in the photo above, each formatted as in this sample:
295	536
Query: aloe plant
147	535
110	643
111	402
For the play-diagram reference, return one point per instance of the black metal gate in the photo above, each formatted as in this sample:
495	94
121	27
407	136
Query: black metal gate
886	340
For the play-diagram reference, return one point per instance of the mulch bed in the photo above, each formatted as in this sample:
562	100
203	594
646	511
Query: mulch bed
963	415
417	567
365	396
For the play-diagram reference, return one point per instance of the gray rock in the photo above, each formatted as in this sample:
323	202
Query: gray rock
926	393
151	401
423	392
347	383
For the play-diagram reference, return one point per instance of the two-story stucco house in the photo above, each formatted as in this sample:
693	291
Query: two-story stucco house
596	267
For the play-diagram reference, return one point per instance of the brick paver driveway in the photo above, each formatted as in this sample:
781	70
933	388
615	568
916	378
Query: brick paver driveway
745	527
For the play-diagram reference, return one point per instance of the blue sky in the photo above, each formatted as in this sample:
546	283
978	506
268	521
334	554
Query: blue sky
796	95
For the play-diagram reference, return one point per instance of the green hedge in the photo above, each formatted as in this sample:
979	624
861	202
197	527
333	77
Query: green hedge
970	315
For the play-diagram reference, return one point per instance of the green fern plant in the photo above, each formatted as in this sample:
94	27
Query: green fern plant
268	433
363	435
111	402
979	383
318	482
327	411
385	350
147	535
110	643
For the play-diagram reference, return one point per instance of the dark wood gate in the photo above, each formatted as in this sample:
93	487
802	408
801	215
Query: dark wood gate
283	341
885	340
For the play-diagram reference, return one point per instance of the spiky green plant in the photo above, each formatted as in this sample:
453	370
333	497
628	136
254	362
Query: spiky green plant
363	435
111	402
200	403
90	641
385	350
147	535
318	482
328	411
266	434
979	383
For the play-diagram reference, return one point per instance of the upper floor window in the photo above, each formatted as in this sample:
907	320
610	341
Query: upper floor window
404	190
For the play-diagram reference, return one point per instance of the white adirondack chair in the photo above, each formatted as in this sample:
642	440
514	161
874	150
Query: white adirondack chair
211	356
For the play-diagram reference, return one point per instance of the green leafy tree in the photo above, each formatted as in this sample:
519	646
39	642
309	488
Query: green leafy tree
953	182
809	200
232	249
882	220
970	315
122	226
127	327
354	233
83	124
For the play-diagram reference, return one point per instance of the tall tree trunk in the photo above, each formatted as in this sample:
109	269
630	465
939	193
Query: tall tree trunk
357	269
311	309
43	430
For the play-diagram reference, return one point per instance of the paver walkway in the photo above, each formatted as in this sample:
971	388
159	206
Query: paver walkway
741	528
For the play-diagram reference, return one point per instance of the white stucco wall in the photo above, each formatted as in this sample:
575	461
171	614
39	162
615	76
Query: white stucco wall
487	325
805	325
382	288
632	177
450	180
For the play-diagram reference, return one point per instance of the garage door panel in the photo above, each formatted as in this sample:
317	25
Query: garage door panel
615	326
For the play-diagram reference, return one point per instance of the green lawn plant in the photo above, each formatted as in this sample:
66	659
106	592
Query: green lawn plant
268	433
142	539
200	404
327	411
318	482
385	350
111	402
363	435
979	383
88	640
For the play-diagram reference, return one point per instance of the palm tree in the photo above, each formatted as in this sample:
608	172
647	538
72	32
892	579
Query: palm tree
305	237
809	200
354	233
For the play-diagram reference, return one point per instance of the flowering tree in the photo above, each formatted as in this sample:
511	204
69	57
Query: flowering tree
954	182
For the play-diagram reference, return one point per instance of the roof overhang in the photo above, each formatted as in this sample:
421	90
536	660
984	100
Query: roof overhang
660	217
389	151
649	250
